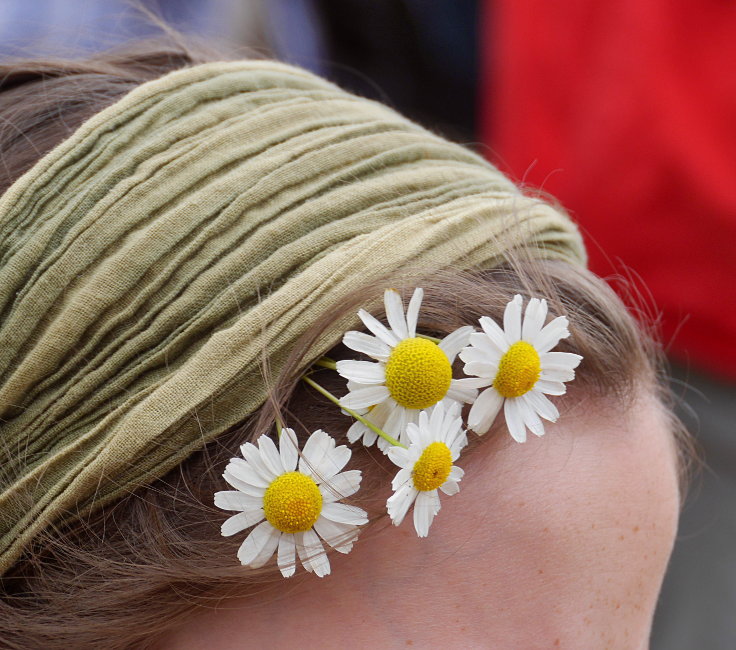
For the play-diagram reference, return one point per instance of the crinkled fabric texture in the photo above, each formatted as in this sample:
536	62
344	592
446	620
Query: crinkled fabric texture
148	261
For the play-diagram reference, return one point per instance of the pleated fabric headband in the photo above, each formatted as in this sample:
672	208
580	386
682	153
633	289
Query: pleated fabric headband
148	261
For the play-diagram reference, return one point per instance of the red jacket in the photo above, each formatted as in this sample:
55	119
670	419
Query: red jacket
626	112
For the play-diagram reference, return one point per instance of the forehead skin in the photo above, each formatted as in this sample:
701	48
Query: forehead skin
561	542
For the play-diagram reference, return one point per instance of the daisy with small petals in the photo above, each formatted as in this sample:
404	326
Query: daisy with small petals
519	367
409	373
427	466
294	501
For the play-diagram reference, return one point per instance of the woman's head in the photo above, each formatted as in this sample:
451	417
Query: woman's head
175	265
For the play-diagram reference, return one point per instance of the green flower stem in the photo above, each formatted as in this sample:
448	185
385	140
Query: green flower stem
326	362
360	418
429	338
279	428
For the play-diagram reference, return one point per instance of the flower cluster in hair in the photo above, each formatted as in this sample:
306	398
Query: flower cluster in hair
406	401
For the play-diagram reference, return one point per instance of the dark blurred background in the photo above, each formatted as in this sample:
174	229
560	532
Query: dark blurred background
625	112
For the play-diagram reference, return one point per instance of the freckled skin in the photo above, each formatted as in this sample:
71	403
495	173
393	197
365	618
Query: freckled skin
559	542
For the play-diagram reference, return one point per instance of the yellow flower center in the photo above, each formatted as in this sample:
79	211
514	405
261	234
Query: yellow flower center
518	370
418	373
292	503
433	467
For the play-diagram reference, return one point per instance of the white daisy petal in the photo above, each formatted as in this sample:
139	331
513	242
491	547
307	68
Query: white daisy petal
381	412
396	422
427	505
379	416
542	405
398	456
411	416
435	422
268	549
399	502
318	445
412	313
288	449
395	313
270	455
378	328
453	411
476	382
530	417
342	513
324	468
356	431
383	444
456	473
259	546
252	454
458	443
316	553
424	430
534	317
550	374
286	555
241	521
402	478
551	335
560	360
514	421
455	341
363	372
471	354
550	387
450	487
369	436
339	536
359	430
484	410
354	385
376	416
424	419
481	368
451	427
243	486
493	340
321	459
367	344
341	486
333	462
243	471
237	500
302	551
512	320
413	453
365	397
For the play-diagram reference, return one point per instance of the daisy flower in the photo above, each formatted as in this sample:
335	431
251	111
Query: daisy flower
427	466
519	368
408	374
294	501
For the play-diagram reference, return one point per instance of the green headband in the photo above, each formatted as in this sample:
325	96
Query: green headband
147	262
